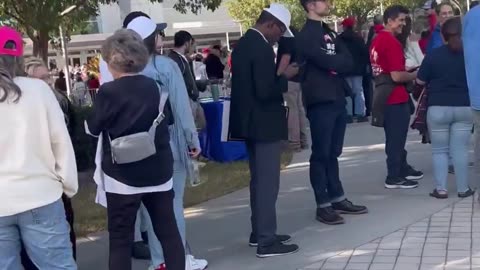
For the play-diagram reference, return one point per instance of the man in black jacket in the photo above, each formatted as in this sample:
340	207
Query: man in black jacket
324	90
257	115
183	43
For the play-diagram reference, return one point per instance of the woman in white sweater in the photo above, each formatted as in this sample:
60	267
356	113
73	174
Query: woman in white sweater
37	165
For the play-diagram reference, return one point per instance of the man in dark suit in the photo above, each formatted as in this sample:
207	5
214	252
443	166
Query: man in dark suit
257	115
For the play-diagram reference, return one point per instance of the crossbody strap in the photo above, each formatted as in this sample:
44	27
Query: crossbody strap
161	107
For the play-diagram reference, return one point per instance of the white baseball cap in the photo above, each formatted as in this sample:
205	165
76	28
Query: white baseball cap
280	12
145	26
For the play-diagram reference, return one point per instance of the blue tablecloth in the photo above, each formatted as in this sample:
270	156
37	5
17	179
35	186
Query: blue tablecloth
212	146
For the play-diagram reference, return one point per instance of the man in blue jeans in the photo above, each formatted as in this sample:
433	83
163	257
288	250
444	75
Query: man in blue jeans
324	92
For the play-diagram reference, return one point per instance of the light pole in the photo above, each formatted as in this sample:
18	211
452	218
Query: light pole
64	48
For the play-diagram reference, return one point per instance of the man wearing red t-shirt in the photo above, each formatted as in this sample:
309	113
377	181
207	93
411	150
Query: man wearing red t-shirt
390	105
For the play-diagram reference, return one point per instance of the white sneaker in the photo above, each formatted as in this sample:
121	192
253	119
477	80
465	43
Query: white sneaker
196	264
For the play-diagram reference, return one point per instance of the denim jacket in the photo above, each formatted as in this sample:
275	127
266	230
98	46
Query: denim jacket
183	133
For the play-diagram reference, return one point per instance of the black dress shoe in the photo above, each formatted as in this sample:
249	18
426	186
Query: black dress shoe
329	216
141	251
282	238
347	207
277	249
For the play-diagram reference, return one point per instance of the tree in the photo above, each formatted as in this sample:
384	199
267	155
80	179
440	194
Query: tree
39	20
246	12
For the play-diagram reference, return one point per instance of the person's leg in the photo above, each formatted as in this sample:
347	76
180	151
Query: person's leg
293	116
350	100
179	180
367	91
10	243
252	162
302	119
460	135
160	209
476	139
439	120
359	97
122	213
396	124
67	202
334	185
46	235
26	261
322	123
267	158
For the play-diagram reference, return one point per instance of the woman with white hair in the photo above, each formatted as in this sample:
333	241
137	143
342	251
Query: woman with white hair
127	106
37	166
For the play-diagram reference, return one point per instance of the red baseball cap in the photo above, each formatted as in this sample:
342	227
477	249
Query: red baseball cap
349	22
7	35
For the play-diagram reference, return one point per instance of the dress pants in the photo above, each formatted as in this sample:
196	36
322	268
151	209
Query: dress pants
264	161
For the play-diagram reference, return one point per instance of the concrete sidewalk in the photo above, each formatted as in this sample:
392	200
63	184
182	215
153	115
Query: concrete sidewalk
218	230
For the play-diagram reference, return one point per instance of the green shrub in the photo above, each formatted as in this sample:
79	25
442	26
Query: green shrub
84	145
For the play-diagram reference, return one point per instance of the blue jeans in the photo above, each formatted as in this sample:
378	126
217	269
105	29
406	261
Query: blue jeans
179	180
358	96
45	234
450	131
327	125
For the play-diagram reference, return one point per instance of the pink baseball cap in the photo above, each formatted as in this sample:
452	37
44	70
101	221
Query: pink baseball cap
8	34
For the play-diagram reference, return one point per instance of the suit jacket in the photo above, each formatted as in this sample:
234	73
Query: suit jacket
187	73
256	111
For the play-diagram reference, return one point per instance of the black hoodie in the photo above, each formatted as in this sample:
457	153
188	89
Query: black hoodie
359	51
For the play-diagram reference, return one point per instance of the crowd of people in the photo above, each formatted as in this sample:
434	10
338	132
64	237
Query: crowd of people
148	138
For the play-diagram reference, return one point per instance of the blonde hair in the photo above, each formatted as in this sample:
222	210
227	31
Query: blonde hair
31	64
125	52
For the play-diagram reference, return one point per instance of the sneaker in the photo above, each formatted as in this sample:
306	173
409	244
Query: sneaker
277	249
349	119
329	216
412	174
362	119
140	251
160	267
196	264
400	183
282	238
347	207
467	193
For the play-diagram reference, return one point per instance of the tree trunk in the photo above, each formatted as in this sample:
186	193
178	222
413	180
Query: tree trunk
40	46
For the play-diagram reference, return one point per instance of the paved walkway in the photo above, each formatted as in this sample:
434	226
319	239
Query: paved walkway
449	239
218	230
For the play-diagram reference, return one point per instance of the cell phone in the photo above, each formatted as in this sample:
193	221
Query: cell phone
414	69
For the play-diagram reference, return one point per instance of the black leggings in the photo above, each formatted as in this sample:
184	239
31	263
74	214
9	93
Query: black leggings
67	202
122	212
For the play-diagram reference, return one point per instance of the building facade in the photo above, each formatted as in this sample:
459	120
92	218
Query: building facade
207	27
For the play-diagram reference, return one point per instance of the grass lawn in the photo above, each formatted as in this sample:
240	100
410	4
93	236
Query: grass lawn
218	179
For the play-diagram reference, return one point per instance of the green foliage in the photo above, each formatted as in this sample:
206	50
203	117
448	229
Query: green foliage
40	20
246	12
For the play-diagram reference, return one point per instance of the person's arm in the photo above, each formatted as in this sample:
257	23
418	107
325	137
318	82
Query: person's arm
284	62
268	85
180	102
62	148
396	62
424	73
100	115
313	53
